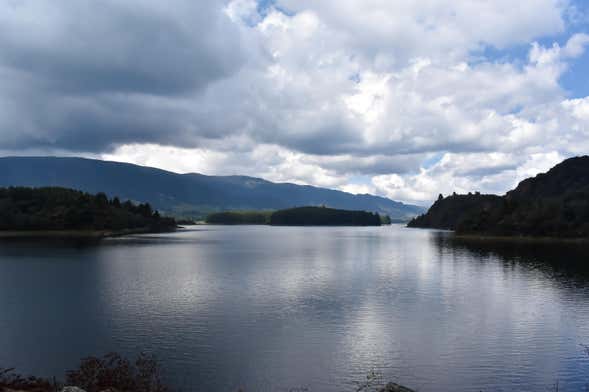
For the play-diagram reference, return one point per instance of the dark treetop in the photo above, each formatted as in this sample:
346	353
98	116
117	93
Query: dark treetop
307	216
66	209
552	204
321	216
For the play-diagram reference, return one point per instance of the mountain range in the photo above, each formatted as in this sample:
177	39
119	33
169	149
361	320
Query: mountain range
190	195
552	204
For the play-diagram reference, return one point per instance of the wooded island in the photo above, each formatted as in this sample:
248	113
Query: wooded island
300	216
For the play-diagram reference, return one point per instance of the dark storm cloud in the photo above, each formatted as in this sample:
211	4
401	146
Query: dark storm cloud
88	46
96	123
88	75
376	165
334	137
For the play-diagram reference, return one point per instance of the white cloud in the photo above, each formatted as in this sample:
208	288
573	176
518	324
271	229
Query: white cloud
395	32
267	161
463	173
324	94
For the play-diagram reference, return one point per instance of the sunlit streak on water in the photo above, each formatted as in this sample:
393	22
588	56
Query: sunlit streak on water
272	308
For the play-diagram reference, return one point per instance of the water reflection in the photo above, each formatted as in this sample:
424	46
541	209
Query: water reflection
275	308
565	261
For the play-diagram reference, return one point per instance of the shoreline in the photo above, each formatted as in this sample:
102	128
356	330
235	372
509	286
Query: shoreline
519	239
76	234
506	238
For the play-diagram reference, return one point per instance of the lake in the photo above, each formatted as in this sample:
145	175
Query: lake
276	308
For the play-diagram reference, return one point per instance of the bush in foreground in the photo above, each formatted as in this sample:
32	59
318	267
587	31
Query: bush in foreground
109	373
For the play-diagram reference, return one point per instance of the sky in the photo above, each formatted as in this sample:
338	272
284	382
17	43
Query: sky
397	98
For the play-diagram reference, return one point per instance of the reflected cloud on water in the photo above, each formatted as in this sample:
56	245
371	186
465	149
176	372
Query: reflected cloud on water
316	307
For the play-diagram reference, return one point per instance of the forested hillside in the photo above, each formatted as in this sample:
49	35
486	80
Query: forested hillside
552	204
56	208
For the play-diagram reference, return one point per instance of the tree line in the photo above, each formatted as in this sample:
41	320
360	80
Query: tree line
55	208
300	216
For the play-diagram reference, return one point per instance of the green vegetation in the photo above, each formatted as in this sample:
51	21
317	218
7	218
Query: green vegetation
300	216
239	218
322	216
109	373
449	213
552	204
61	209
113	373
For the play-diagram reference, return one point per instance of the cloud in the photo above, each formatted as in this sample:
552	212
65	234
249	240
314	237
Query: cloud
91	75
489	173
394	33
111	46
266	161
396	98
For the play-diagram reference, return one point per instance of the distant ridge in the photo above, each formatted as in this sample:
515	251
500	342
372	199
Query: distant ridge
185	195
552	204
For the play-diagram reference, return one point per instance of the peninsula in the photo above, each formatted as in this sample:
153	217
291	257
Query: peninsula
553	204
62	212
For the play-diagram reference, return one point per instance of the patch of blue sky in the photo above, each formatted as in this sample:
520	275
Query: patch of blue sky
360	180
432	160
355	77
265	6
575	80
516	54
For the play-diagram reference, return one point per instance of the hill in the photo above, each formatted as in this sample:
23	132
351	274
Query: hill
552	204
185	195
449	213
51	209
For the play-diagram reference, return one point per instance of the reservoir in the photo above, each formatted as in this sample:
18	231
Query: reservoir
314	308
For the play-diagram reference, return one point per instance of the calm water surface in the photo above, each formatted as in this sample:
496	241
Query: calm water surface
273	308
